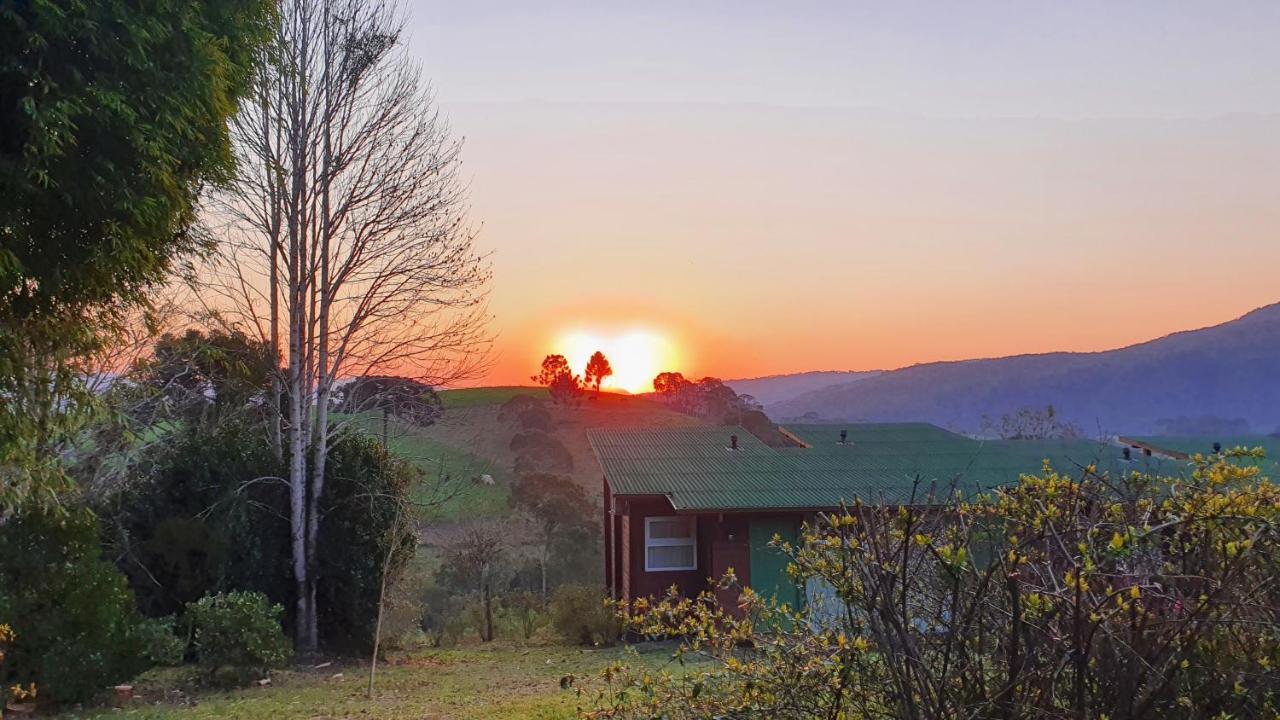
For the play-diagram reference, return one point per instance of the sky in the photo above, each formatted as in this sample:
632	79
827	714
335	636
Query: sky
751	188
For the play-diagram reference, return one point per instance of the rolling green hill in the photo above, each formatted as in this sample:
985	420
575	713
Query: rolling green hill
467	458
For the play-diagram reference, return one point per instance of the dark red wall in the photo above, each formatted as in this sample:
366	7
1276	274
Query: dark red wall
625	548
655	584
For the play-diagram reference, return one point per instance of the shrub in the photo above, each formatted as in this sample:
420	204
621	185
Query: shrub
536	418
366	488
238	631
526	611
161	645
581	613
196	524
443	616
77	631
512	409
536	451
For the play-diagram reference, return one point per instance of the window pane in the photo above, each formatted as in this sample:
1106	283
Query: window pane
673	528
670	556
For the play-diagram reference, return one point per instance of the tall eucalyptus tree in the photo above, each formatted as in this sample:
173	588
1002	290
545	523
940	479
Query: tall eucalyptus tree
345	240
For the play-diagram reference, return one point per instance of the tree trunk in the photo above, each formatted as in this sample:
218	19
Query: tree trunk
299	420
392	542
488	612
298	510
543	565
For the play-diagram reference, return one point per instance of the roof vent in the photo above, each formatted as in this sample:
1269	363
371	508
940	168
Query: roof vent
844	437
1217	447
1128	454
733	442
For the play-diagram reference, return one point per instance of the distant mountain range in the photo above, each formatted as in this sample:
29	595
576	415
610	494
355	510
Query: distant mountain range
1217	375
775	389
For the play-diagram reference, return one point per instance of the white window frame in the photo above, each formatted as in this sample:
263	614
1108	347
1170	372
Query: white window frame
691	541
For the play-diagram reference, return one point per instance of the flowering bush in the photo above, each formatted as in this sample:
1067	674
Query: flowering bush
1089	596
16	692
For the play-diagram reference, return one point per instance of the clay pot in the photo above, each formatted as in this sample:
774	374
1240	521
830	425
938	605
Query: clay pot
124	695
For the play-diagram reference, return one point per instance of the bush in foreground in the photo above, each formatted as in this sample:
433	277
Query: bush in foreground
581	614
77	631
237	634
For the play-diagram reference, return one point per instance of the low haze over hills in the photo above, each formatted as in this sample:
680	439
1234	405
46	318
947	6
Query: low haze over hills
1227	371
779	388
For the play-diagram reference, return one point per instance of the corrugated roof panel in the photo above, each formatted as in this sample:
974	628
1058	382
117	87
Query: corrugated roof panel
881	463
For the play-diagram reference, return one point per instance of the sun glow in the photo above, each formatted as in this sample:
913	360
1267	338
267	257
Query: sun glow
635	355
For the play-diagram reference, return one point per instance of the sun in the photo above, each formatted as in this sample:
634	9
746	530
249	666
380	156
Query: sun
636	356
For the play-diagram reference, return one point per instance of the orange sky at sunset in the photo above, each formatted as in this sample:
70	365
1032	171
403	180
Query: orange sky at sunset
777	192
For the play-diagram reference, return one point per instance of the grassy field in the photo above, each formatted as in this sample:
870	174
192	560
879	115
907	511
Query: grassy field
471	397
499	680
454	487
467	457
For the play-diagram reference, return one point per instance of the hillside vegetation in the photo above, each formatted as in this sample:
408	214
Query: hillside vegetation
780	388
472	440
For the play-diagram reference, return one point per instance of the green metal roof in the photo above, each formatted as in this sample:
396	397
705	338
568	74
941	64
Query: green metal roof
1203	445
827	437
884	463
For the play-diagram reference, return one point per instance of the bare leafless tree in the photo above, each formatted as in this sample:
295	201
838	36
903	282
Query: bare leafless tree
345	240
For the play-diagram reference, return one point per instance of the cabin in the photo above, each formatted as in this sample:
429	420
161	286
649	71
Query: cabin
1186	447
683	506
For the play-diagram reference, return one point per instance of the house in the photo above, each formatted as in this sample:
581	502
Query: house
1184	447
685	505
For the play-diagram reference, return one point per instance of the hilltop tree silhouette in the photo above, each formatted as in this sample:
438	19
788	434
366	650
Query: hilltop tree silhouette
560	381
668	383
598	369
553	366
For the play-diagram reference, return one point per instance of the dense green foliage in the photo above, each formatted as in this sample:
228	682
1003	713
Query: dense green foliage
211	518
537	451
114	115
201	521
365	489
1057	597
161	642
204	378
72	612
239	633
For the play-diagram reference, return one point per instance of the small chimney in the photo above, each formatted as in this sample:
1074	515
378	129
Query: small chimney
1146	451
1128	454
733	442
1217	447
844	437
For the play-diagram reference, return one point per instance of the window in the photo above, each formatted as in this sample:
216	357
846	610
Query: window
670	543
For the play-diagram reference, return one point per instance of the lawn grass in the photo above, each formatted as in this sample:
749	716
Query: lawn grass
496	680
471	397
